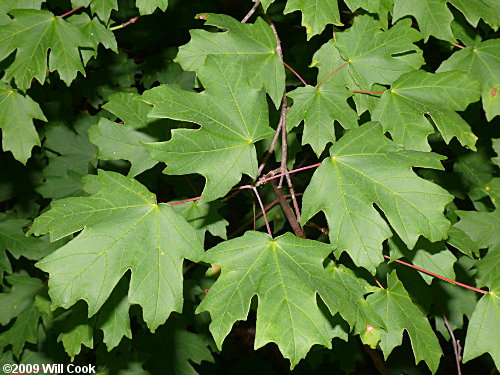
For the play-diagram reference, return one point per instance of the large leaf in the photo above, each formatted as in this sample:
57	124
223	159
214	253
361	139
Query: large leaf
33	33
286	273
16	120
400	313
123	229
319	107
233	117
402	110
370	54
125	106
251	45
149	6
473	10
102	8
366	168
482	63
482	227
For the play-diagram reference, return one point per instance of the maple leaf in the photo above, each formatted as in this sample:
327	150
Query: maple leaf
233	117
117	142
32	33
22	4
366	168
316	14
379	7
402	110
123	229
126	107
484	327
16	118
285	273
370	54
149	6
473	10
251	45
204	217
319	107
481	62
400	313
102	8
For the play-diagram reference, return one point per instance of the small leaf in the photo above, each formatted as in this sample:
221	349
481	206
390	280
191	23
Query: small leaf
316	14
149	6
126	107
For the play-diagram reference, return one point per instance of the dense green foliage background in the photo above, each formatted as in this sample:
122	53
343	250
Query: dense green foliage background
388	110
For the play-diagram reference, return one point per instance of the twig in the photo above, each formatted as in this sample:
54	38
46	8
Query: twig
456	345
125	24
378	362
296	74
266	179
71	11
438	276
251	11
292	219
263	212
270	150
331	74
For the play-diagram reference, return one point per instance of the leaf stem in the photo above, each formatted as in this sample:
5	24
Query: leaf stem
332	73
439	276
296	74
71	11
263	211
456	45
251	11
125	24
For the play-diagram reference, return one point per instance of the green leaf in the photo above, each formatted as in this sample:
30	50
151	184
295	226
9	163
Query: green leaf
481	62
117	142
366	168
461	241
319	107
77	331
402	110
433	257
126	107
20	296
102	8
484	328
33	33
488	268
123	229
22	4
285	273
149	6
400	313
433	16
370	54
204	217
496	148
16	119
379	7
250	45
233	117
473	10
71	156
316	14
482	227
96	32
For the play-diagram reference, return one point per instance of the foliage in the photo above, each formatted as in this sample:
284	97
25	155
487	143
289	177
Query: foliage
284	186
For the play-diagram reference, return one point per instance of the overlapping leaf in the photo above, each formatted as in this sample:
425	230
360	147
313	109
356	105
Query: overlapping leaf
16	120
365	168
316	14
402	110
102	8
126	107
482	63
149	6
319	107
32	33
252	45
117	142
233	117
370	54
286	273
400	313
123	229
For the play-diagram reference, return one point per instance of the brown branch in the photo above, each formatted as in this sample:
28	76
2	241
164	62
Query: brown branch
125	24
71	11
456	345
378	362
297	229
251	11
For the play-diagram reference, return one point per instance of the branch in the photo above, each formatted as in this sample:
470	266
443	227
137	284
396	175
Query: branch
251	11
70	12
456	345
125	24
292	219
